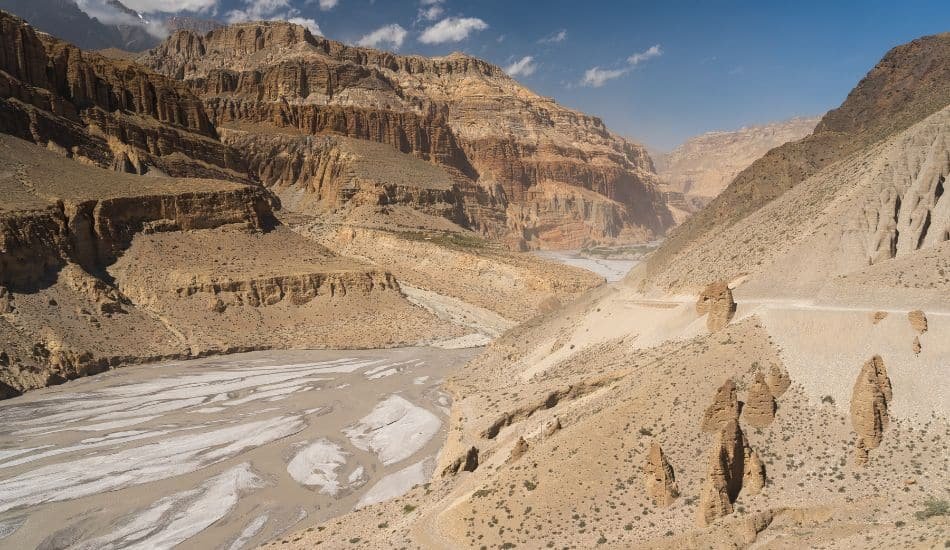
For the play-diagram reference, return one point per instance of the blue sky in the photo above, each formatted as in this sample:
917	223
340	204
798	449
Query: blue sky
718	65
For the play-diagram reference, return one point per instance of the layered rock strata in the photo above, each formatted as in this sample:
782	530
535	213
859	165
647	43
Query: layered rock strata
458	112
108	112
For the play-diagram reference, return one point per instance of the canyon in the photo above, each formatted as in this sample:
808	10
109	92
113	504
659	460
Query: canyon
259	287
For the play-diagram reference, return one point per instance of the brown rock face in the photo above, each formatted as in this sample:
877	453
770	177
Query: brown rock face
724	408
869	401
659	477
112	113
918	321
717	304
535	170
759	408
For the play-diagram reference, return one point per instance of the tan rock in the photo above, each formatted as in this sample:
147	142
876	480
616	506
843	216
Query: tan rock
869	402
724	408
717	304
878	316
918	321
753	476
916	345
778	380
733	467
659	477
759	408
723	474
520	448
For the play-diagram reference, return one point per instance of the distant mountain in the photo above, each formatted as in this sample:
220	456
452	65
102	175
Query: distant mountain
126	29
703	165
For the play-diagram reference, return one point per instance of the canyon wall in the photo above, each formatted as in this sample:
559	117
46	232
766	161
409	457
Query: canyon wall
500	143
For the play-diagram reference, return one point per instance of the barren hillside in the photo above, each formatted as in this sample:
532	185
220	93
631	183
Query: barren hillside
796	402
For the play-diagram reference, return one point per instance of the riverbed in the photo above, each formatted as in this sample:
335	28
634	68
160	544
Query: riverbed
225	452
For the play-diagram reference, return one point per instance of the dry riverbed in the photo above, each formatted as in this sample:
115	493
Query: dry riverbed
225	452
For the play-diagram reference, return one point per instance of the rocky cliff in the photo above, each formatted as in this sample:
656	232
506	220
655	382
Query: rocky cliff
100	269
505	146
108	112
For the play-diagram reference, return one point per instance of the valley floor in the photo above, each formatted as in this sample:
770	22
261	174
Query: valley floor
219	453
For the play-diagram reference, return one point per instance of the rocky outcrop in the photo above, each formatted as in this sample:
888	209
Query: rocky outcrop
458	112
297	289
467	462
717	304
869	402
918	321
723	409
107	112
753	472
759	407
92	233
778	380
733	467
723	474
659	477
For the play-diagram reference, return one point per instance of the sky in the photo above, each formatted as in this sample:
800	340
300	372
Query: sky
658	72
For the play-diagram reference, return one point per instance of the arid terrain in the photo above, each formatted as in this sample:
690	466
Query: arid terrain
701	167
258	287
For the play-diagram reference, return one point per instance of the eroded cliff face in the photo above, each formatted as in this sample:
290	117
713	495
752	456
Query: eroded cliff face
503	145
111	113
100	269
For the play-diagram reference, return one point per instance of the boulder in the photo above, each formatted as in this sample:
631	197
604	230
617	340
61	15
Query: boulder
717	304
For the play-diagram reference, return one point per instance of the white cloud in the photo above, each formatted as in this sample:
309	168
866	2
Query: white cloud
311	25
653	51
431	13
559	36
523	67
271	10
595	77
393	35
452	29
170	6
328	4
